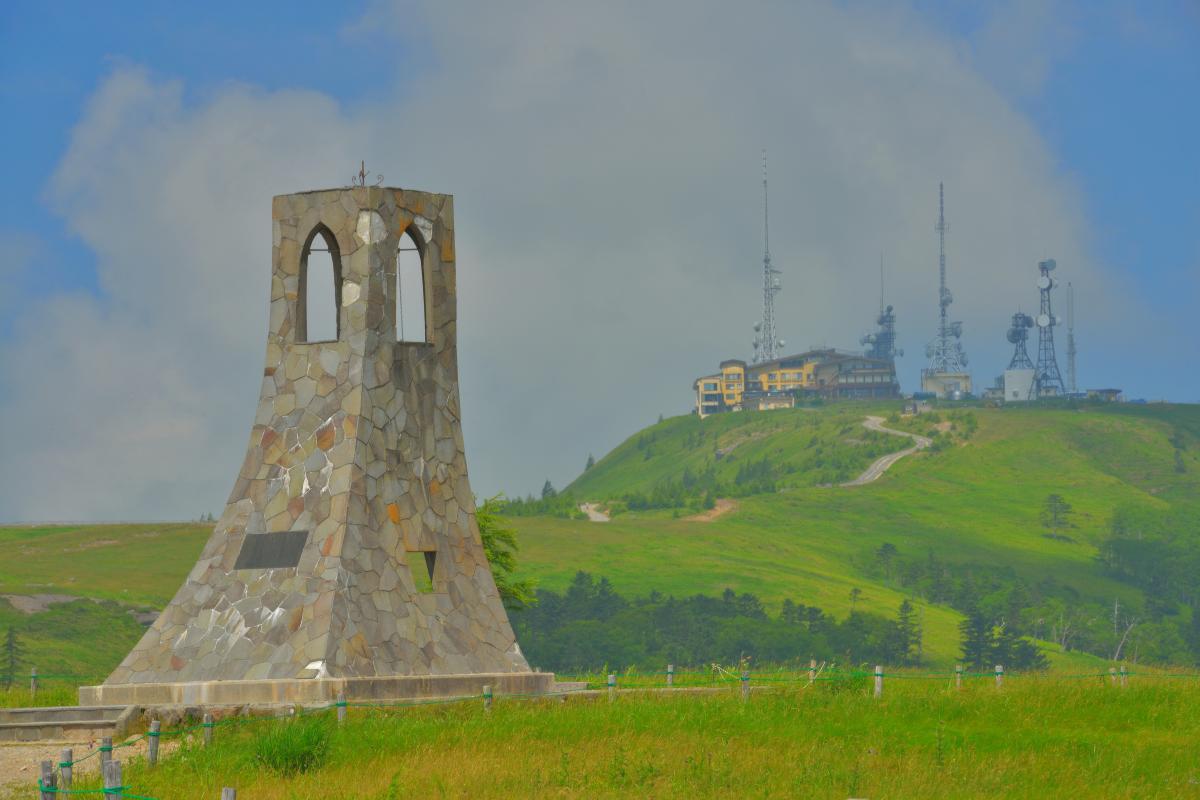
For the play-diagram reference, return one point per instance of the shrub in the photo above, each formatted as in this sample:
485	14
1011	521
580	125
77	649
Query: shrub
294	746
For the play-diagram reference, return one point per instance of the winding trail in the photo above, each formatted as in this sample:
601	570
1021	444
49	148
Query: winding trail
882	465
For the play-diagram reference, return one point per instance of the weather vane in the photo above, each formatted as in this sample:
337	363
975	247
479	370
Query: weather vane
361	178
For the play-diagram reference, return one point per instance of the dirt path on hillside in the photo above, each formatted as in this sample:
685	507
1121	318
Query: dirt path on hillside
882	465
720	509
594	513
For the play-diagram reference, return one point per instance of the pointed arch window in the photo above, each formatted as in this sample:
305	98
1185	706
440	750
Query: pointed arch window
320	290
412	319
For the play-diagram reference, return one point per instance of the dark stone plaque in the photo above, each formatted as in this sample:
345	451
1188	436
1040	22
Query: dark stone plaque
271	550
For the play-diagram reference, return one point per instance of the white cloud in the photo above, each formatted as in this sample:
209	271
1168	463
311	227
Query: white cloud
604	160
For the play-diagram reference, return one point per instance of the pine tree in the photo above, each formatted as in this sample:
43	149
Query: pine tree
1054	514
548	490
909	631
976	640
591	462
13	650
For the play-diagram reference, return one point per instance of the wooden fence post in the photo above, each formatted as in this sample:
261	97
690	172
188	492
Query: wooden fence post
958	672
47	781
66	761
105	752
999	675
208	729
228	794
812	671
487	698
670	675
112	780
1112	676
33	685
878	680
1123	674
341	706
612	686
152	744
745	685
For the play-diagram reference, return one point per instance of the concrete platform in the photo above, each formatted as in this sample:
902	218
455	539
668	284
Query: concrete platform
314	690
65	722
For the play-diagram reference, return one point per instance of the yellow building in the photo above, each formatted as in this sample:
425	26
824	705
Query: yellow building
823	373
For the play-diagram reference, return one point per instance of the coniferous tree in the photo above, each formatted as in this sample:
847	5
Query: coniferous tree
591	462
976	640
908	632
13	650
548	490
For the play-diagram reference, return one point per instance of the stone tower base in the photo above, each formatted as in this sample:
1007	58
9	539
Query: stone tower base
315	690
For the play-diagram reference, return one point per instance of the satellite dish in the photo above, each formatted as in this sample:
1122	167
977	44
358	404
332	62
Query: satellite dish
1027	320
782	343
889	309
1014	335
1044	282
757	327
1043	320
1048	265
956	329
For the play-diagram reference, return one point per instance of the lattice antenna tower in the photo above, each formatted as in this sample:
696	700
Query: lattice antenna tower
766	344
1047	377
1018	334
1071	338
945	352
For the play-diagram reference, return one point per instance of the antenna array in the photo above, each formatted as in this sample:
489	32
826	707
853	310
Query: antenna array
766	344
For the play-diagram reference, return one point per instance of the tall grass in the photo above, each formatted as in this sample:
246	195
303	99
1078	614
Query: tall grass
1037	737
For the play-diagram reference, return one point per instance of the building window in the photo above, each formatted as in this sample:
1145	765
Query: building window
320	288
411	320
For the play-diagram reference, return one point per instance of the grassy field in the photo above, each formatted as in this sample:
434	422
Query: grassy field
975	502
1037	737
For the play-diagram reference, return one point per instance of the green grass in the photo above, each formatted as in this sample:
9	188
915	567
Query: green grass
977	501
1037	737
807	446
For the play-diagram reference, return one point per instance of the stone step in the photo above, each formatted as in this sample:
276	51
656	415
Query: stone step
64	722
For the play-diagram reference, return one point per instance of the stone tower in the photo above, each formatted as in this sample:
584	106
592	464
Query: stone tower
353	484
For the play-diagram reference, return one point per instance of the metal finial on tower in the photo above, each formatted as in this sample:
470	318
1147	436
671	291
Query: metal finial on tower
945	352
766	345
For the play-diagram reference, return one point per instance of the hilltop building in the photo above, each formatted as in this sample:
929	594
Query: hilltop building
824	373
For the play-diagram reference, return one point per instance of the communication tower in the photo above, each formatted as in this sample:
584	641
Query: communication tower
766	345
1047	377
1018	333
947	362
882	343
1071	338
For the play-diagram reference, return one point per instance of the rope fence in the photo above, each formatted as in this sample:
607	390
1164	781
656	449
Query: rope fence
55	778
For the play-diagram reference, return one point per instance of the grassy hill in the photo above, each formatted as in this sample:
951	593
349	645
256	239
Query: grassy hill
974	502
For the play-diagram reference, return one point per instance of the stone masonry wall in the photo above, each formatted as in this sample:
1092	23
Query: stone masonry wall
357	442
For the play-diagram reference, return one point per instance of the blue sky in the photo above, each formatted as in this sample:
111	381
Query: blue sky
1085	114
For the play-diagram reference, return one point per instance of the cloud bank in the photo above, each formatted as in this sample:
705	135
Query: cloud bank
605	163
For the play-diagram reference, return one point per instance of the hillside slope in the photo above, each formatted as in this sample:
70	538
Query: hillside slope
974	502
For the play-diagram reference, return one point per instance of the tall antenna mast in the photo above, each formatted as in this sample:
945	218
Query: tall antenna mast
945	352
1048	380
1071	338
766	344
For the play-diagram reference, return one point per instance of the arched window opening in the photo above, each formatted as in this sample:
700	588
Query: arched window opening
320	289
410	293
